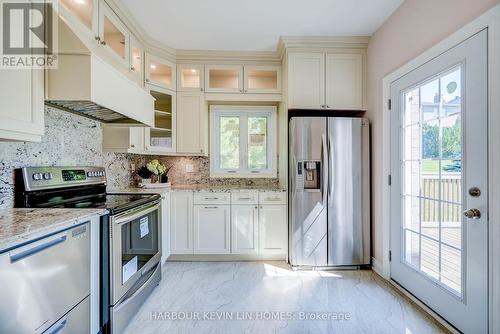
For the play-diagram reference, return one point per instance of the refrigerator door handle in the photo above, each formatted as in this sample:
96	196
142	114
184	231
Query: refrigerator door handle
325	169
331	153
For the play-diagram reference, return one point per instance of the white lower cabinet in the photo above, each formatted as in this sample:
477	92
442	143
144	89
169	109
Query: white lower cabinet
206	223
272	229
181	223
244	229
212	229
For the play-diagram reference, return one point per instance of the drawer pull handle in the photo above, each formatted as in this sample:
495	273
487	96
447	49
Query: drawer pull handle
211	207
36	249
209	198
242	198
273	199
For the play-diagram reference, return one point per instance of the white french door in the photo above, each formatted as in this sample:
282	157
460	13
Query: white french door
439	192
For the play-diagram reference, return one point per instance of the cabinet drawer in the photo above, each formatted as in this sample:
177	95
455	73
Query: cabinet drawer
272	197
212	198
244	198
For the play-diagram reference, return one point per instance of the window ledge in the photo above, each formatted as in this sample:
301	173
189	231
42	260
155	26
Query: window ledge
243	176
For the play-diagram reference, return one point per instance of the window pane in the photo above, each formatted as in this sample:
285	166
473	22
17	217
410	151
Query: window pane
229	142
257	143
432	179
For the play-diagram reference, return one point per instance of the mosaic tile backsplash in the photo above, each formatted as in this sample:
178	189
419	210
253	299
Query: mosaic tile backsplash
74	140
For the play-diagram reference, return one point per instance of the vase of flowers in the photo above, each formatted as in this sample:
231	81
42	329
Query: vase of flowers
157	169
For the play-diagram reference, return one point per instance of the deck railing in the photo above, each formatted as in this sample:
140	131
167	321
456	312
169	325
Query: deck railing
451	193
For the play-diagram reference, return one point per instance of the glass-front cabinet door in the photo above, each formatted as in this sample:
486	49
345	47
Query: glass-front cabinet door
136	60
114	36
161	137
190	78
224	78
262	79
82	14
160	72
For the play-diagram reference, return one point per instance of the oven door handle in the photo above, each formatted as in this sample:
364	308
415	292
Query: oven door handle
135	213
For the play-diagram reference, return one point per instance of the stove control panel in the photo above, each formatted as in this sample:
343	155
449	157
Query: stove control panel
37	178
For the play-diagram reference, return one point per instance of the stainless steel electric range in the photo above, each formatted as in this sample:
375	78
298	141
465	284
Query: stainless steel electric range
130	233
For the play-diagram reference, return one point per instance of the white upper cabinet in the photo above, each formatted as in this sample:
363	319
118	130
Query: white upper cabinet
113	34
190	78
161	138
306	80
192	123
262	79
326	81
83	15
160	72
344	81
136	60
212	229
224	78
21	105
242	79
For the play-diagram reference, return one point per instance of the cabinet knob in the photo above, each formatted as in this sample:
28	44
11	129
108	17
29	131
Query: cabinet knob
147	80
132	146
132	68
256	207
97	38
103	42
201	89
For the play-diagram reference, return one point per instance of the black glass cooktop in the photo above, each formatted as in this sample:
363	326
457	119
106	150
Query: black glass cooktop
86	198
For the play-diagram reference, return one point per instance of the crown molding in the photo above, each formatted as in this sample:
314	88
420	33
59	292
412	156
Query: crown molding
286	43
321	42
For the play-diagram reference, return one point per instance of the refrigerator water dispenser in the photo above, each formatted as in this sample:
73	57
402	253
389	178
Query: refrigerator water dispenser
309	175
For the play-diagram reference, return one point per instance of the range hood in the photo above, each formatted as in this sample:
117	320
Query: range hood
87	85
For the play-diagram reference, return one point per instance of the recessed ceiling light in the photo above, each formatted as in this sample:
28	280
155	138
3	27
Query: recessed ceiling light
193	71
80	2
152	66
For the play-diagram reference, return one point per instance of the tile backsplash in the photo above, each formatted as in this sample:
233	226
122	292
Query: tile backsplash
75	140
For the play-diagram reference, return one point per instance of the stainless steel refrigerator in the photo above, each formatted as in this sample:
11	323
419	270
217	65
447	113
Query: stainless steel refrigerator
329	218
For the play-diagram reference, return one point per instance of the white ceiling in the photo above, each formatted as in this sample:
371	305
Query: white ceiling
255	25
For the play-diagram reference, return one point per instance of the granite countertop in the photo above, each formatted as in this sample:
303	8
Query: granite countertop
195	187
18	226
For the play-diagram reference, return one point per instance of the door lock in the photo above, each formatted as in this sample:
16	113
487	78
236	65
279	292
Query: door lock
475	192
472	214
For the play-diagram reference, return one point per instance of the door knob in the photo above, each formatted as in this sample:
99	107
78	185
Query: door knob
472	214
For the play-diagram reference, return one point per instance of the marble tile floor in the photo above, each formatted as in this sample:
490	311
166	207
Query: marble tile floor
268	297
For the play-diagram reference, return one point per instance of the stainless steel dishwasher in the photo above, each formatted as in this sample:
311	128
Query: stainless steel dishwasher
45	284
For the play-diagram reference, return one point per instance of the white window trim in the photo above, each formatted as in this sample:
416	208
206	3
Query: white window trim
226	110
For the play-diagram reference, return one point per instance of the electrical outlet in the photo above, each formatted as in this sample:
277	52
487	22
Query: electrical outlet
189	168
132	166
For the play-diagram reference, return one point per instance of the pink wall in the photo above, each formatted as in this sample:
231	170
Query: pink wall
413	28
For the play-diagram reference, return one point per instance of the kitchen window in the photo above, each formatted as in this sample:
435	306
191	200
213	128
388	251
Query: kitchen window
243	141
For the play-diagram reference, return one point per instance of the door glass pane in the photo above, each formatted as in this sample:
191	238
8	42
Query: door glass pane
229	142
261	79
257	143
136	59
114	38
224	78
139	243
82	9
161	134
432	187
190	78
161	73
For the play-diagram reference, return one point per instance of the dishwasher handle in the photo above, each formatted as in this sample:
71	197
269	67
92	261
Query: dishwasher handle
36	249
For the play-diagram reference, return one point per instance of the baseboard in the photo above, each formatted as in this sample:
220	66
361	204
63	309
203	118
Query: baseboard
228	257
377	267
